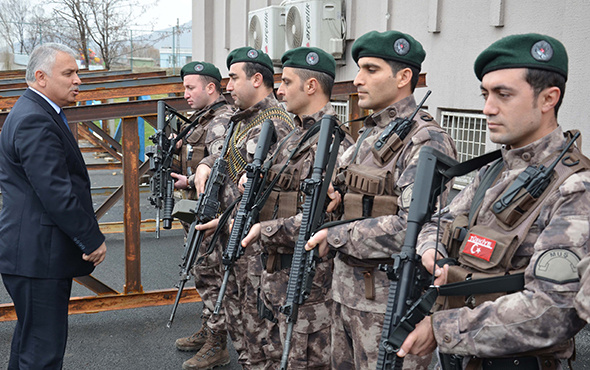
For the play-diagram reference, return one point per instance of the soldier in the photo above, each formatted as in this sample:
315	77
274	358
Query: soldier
378	187
542	232
202	91
307	81
251	85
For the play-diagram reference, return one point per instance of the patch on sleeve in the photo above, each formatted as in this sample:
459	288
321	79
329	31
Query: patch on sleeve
406	197
216	146
558	266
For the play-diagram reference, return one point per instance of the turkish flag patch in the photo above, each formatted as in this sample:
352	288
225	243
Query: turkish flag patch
480	247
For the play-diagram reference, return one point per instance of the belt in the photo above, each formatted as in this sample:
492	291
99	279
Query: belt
517	363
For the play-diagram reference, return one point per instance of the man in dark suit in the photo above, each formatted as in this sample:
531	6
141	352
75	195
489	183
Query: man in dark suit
48	231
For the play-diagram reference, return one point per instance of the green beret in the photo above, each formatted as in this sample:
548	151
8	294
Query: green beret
200	68
530	50
390	45
249	54
314	59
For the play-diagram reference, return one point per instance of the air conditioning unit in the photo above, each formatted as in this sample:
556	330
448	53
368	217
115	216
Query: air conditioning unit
316	23
266	31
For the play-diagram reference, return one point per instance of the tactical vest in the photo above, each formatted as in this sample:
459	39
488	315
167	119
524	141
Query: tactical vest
286	199
487	250
196	149
371	184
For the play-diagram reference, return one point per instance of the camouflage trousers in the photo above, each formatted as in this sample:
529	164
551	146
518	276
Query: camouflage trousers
310	341
207	282
255	339
355	340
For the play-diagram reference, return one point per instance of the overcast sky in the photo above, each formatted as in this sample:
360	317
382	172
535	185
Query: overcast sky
165	13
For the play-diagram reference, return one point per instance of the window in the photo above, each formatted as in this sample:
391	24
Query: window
341	108
468	130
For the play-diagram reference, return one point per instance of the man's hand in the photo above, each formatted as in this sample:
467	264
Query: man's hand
201	175
253	235
181	181
319	239
242	183
335	197
209	227
440	273
421	340
97	256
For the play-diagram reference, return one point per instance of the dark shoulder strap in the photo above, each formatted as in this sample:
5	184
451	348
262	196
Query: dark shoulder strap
486	182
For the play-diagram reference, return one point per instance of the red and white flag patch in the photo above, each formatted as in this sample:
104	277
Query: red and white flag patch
480	247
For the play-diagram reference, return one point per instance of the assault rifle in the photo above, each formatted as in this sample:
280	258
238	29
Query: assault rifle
250	205
405	307
161	156
314	209
206	209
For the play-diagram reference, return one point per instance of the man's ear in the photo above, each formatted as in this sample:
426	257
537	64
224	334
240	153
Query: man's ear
311	86
257	80
548	98
41	78
403	77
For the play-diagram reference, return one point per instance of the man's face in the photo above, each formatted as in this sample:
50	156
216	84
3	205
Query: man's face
512	111
62	85
241	87
292	91
195	92
376	84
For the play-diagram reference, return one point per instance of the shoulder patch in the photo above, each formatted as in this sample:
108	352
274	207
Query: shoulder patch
216	146
557	266
406	197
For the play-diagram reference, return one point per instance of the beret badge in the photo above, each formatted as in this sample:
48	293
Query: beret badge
542	51
401	46
199	67
252	54
312	58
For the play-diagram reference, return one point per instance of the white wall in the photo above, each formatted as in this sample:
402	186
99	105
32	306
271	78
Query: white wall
464	28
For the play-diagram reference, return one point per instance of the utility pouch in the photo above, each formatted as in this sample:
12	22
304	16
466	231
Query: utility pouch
387	151
488	250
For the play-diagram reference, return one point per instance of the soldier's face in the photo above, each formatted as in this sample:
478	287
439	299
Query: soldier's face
376	84
513	113
241	87
292	91
62	85
195	91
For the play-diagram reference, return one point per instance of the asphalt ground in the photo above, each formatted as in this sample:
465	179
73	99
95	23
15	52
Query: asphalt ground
137	339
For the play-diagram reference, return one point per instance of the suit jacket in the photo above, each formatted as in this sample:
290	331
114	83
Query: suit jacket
47	220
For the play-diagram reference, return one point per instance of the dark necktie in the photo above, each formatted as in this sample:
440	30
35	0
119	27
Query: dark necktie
63	117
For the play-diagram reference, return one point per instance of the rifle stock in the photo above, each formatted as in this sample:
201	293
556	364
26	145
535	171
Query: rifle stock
315	190
408	276
248	209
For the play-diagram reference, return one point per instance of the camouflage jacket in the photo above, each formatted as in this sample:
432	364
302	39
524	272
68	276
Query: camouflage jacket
377	238
543	314
582	302
246	141
279	235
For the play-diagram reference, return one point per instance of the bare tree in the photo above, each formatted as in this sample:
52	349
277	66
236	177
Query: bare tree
18	25
74	14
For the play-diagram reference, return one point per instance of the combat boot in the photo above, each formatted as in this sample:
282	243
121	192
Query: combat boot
195	342
214	353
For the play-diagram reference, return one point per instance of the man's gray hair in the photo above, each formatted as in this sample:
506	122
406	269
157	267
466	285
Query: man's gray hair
43	58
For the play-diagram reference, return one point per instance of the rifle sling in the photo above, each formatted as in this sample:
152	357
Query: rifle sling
222	221
496	284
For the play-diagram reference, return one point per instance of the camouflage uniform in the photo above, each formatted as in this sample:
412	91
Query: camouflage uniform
205	139
359	289
311	334
541	319
582	302
251	336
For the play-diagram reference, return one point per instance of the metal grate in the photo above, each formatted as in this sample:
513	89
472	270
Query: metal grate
468	130
341	108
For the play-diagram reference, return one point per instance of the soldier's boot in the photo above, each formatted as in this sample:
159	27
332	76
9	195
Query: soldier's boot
214	353
195	342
